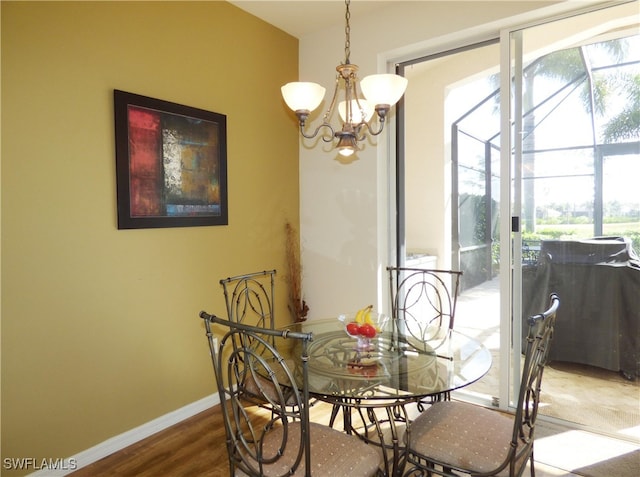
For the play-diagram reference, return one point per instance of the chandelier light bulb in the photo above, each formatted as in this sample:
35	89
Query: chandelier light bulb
346	145
346	151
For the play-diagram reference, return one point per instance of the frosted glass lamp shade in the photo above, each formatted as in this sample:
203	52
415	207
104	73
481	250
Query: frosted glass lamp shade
383	88
301	96
356	111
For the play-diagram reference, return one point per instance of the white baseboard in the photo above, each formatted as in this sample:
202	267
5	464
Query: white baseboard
126	439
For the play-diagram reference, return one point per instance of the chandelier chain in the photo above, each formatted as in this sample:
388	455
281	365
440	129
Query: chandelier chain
347	34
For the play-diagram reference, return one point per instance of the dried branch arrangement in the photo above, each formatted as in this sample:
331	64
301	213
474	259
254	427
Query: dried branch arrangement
297	306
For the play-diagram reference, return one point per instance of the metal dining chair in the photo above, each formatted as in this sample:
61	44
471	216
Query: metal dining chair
250	298
452	437
423	302
264	436
423	308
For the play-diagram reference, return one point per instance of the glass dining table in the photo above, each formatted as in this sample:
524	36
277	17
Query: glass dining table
372	386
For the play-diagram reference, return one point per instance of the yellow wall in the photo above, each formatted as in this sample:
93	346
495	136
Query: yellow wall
100	327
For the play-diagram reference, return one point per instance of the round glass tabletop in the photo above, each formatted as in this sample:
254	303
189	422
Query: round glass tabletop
393	366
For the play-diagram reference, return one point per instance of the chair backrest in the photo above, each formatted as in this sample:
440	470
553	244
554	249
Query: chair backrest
423	302
266	434
250	298
535	358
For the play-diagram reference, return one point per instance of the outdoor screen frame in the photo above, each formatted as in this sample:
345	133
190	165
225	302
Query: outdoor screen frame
171	164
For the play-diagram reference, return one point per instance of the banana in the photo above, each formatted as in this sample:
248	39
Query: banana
363	315
358	318
367	315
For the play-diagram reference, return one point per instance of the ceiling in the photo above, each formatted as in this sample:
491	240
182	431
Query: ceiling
301	17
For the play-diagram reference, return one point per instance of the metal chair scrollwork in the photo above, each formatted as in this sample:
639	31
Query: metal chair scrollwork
423	303
265	435
423	308
250	298
451	437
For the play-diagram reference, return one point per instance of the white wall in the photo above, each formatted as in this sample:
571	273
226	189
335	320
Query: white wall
344	221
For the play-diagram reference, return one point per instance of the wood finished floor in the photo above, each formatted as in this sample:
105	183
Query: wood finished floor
195	447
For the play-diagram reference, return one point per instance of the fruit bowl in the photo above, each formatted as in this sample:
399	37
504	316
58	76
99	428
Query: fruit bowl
364	326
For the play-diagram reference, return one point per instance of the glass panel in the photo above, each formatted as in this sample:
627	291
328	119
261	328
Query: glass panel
452	174
471	193
559	191
477	156
621	200
575	179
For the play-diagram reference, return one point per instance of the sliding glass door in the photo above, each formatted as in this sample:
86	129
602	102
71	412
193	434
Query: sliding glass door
494	184
574	105
449	184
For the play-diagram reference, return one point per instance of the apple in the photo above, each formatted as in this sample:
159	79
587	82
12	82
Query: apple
353	328
368	331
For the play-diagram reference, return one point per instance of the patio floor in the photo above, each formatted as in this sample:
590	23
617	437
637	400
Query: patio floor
584	396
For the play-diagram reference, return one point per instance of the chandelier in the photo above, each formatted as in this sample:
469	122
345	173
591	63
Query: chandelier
379	93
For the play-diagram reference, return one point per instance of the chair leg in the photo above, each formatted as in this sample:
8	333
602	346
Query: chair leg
334	413
533	469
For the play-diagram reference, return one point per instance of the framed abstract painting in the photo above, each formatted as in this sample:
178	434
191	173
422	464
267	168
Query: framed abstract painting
171	164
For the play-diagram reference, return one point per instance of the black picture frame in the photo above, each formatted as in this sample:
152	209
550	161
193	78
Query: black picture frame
171	164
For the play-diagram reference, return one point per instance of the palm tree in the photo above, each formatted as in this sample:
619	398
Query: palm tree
573	68
626	124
